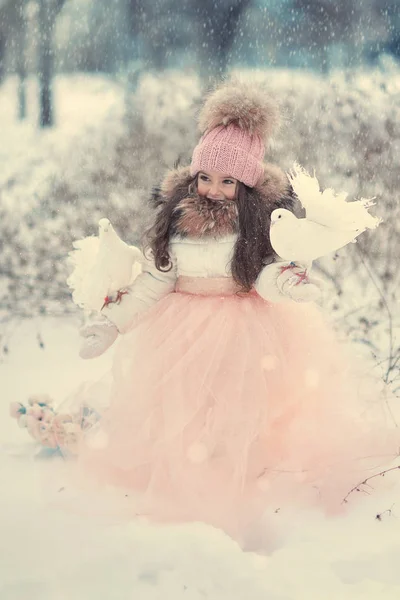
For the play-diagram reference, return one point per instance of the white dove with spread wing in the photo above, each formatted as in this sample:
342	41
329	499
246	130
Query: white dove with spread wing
101	266
328	207
330	222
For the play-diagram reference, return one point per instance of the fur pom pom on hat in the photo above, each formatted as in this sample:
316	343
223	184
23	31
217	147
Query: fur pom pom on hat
236	121
245	105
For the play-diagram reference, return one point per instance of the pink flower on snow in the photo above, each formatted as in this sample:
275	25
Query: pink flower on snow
15	410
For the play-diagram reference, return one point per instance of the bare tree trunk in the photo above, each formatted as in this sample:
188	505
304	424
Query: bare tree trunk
48	11
21	60
2	55
46	63
218	28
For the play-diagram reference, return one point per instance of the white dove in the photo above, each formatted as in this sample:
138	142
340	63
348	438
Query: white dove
330	222
302	240
101	266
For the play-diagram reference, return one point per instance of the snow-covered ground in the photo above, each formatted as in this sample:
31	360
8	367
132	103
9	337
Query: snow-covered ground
53	547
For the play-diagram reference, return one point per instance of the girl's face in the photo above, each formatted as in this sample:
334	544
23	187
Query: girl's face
216	186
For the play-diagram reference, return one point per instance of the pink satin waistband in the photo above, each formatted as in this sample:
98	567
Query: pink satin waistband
207	286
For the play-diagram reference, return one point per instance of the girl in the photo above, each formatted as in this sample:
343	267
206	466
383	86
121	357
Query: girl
231	399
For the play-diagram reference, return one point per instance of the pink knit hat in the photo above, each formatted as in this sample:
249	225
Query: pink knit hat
236	121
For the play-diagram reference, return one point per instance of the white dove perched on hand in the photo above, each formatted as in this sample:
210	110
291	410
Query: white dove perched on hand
102	266
330	222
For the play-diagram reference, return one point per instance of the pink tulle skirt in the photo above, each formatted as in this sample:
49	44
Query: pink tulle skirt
226	408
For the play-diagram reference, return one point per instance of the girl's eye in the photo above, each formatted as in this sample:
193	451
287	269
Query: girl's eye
203	177
228	181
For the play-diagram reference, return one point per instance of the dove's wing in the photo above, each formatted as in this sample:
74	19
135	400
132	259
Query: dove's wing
307	189
335	212
119	258
350	215
101	266
81	261
304	241
325	208
328	207
113	268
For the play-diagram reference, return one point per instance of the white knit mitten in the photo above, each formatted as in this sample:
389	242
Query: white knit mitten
281	281
298	285
99	334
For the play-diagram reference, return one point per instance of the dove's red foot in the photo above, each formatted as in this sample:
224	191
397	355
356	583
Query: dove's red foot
120	293
301	277
110	300
288	267
107	300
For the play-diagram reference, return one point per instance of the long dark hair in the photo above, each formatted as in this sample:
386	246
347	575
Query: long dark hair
252	249
157	237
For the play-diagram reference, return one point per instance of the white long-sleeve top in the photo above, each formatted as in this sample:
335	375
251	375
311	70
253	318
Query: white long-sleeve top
191	257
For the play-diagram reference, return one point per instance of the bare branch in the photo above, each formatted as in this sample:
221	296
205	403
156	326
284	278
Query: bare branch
358	487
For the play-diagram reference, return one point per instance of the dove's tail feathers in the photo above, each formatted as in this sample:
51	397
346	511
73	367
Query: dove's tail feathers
367	202
373	221
364	217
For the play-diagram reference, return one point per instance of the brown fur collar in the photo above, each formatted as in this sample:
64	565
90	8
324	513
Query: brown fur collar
196	216
199	217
